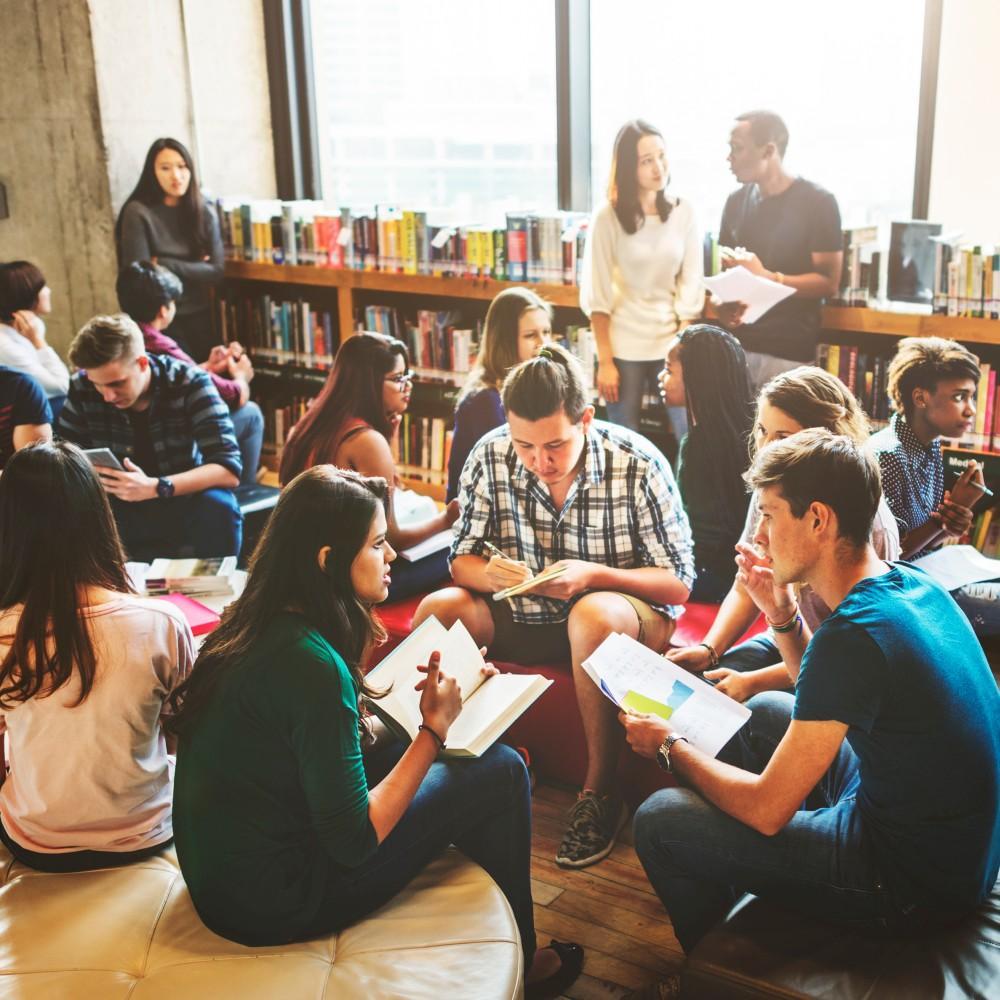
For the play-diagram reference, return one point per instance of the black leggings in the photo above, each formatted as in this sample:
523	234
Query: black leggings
77	861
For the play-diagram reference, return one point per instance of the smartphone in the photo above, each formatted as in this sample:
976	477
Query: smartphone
103	458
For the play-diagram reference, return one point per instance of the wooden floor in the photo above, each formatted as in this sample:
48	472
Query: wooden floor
608	908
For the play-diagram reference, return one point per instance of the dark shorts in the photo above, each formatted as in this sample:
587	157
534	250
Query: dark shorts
531	644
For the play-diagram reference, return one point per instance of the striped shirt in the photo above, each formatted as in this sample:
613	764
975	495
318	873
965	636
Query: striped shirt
912	474
189	424
623	511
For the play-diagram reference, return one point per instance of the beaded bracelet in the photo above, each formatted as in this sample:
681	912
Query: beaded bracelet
713	655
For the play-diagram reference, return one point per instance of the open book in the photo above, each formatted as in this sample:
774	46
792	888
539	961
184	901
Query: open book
489	704
637	679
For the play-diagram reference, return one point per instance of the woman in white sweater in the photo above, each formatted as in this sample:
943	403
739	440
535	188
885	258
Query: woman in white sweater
643	273
24	298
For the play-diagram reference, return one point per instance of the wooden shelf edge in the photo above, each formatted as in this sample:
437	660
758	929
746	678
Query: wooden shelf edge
380	281
891	324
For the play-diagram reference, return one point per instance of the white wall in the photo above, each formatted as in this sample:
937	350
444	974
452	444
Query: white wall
965	179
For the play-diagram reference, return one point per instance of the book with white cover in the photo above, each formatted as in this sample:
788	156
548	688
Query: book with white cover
437	542
639	680
489	704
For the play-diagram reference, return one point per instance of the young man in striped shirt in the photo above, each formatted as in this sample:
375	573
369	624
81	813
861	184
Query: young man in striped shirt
555	488
168	427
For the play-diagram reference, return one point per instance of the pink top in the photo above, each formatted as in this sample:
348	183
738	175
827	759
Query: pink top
96	776
157	342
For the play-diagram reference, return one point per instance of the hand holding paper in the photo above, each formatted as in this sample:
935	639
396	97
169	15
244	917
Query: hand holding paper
739	285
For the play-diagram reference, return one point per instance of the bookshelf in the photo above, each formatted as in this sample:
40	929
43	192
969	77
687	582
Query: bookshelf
346	291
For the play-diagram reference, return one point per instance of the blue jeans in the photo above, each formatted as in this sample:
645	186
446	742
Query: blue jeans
248	422
981	604
700	860
205	525
760	651
411	578
636	379
482	806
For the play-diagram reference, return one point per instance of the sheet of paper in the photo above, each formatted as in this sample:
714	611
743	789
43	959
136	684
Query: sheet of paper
739	285
442	540
955	566
635	677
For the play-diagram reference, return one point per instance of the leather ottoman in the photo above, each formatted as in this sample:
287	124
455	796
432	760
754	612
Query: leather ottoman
762	950
133	932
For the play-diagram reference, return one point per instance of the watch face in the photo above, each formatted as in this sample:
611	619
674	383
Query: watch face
661	758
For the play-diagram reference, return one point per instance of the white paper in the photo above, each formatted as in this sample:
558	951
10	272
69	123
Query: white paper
740	285
708	718
956	566
442	540
411	507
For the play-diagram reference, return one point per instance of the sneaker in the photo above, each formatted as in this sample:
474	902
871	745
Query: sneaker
594	823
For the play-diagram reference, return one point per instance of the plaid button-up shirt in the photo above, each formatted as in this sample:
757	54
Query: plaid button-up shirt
623	511
912	474
189	425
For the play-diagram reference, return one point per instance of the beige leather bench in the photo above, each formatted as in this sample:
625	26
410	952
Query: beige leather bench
133	932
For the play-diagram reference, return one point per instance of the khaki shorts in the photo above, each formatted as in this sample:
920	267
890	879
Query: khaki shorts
529	644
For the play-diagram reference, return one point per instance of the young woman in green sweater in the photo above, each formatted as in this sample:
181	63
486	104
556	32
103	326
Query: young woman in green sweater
286	827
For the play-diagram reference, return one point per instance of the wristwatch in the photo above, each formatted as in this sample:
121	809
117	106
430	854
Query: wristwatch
164	488
663	751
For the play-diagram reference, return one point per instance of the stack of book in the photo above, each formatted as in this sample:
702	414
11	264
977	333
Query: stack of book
530	247
193	577
859	279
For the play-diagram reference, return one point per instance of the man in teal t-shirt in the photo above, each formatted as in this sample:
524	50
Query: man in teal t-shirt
891	740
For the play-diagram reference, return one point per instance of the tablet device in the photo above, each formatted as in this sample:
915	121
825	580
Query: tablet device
103	458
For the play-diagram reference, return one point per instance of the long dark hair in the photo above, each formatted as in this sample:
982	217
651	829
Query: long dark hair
57	535
498	350
623	185
720	405
352	390
149	192
322	506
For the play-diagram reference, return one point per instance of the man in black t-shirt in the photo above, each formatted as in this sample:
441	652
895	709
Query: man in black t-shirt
25	415
784	228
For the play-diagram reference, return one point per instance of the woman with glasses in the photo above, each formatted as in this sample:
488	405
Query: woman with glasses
353	424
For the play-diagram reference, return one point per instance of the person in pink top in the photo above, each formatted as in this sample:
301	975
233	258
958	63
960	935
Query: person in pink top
85	669
149	294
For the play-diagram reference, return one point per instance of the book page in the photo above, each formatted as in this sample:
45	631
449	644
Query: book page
636	678
496	705
740	285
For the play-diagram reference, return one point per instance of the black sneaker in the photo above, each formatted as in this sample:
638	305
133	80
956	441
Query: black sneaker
594	824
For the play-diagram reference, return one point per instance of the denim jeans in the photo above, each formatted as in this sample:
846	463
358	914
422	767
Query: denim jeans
760	651
248	422
202	524
482	806
636	379
411	578
700	860
981	604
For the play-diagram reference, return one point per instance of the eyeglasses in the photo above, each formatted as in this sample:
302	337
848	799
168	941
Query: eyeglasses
402	380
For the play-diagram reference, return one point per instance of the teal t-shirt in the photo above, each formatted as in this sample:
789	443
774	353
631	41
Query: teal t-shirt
270	795
898	662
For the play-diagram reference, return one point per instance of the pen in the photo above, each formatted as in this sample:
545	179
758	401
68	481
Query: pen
494	549
979	486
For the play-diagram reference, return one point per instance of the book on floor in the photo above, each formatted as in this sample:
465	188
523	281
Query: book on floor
191	576
490	705
639	680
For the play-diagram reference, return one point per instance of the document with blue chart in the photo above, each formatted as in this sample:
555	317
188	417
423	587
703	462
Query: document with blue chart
639	680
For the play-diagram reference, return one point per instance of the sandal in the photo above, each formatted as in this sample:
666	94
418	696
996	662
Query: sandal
571	958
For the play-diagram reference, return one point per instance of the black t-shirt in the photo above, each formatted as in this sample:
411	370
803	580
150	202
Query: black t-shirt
784	231
22	401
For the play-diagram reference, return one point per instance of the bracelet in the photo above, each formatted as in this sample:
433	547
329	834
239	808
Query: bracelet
713	655
427	729
793	623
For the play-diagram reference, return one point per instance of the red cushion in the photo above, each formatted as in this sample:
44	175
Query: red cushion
697	620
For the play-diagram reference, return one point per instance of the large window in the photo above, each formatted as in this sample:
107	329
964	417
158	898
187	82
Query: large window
447	106
845	77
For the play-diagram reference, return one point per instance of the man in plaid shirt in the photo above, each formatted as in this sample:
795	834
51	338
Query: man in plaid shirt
167	425
555	488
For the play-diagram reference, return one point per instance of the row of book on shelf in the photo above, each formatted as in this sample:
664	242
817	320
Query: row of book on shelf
530	247
966	281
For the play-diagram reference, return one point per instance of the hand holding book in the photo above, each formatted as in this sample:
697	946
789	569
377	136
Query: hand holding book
440	697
